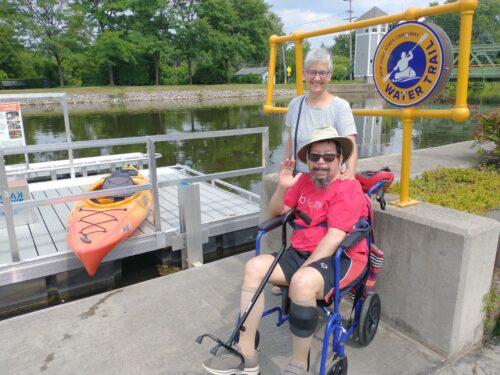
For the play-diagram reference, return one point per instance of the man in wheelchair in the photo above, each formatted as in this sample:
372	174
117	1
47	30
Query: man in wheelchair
334	206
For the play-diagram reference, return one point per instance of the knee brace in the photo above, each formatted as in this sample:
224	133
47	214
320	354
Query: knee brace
303	320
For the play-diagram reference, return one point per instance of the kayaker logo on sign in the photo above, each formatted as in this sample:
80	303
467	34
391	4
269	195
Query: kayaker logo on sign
408	64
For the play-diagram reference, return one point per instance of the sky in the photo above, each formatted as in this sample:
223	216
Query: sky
316	14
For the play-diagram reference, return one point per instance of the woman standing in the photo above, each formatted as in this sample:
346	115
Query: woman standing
317	109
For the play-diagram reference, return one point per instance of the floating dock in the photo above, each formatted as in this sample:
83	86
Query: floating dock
44	251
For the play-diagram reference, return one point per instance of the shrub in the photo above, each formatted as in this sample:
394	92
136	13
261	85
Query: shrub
247	78
174	75
340	66
465	189
487	135
209	75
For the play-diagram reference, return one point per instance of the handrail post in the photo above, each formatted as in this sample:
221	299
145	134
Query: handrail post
464	44
188	196
153	178
299	67
265	147
7	209
404	194
272	69
67	129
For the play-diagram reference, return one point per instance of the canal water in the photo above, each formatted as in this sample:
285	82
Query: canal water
376	135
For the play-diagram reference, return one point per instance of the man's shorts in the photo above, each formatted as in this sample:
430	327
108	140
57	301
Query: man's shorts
292	260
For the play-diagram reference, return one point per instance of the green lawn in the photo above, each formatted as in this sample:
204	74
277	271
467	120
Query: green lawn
121	90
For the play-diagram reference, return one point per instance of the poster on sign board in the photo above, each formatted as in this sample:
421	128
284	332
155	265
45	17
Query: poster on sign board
11	125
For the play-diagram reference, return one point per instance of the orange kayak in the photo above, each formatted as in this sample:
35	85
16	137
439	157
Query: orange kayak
96	226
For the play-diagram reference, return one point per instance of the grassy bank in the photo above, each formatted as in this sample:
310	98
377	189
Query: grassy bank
121	90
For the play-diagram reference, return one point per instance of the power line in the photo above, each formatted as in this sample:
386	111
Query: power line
311	22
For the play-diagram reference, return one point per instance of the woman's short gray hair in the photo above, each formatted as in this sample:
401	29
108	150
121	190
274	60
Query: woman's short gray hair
319	55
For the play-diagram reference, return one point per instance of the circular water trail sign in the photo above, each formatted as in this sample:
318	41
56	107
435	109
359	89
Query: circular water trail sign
412	63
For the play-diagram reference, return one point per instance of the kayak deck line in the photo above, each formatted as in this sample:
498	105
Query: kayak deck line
43	247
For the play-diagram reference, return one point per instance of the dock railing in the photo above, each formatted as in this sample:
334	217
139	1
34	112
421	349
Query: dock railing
8	207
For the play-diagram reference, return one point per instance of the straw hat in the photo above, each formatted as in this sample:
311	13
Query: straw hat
325	134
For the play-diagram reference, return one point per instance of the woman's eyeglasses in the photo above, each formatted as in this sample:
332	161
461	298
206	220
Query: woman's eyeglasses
321	73
328	158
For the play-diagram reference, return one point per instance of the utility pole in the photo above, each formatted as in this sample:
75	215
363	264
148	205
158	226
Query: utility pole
284	61
350	31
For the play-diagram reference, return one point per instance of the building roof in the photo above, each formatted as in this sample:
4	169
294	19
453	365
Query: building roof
244	71
372	13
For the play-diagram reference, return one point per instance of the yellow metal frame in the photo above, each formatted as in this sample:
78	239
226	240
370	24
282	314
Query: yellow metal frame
458	113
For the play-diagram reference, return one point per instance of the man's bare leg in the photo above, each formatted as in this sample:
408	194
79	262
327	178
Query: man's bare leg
306	286
255	270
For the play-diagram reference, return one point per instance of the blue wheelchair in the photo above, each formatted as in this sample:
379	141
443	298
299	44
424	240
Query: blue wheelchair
366	308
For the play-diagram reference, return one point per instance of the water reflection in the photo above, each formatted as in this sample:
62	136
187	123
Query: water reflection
376	135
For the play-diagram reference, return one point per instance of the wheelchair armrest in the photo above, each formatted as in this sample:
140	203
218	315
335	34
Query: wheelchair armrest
275	222
271	224
355	237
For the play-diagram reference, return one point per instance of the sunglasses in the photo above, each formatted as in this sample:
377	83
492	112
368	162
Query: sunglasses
328	158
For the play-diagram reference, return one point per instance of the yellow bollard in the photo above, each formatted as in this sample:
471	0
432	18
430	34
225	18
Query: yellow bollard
404	194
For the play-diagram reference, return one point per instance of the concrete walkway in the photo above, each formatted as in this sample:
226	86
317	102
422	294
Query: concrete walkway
150	328
456	155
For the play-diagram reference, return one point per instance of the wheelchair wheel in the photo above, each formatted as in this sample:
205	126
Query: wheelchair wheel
369	318
338	366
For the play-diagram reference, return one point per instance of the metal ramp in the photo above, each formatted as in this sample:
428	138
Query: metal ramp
82	166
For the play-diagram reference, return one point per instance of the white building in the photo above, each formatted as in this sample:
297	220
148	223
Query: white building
262	72
367	40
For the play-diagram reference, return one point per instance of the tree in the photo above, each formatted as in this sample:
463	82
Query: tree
10	48
341	46
152	26
107	23
227	46
190	35
45	25
110	49
258	23
486	22
238	31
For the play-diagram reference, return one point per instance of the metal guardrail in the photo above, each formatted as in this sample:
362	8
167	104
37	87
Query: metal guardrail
8	206
250	196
